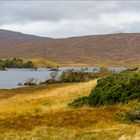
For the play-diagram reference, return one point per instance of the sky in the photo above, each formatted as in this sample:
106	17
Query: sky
60	19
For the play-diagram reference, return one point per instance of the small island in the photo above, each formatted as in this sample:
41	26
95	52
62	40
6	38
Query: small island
16	63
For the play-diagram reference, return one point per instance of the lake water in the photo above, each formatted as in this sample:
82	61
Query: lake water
12	77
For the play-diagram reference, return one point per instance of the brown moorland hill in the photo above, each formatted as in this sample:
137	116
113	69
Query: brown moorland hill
113	49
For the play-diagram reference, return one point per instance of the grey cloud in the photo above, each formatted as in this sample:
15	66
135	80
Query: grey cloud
24	11
20	15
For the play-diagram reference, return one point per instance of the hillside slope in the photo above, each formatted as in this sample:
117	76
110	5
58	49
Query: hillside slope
95	49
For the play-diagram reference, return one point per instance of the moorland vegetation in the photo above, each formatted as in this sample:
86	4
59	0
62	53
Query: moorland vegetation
115	88
15	63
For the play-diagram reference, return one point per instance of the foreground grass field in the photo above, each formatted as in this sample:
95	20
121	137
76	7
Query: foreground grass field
41	113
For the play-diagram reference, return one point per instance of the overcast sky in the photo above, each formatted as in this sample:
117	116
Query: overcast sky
65	18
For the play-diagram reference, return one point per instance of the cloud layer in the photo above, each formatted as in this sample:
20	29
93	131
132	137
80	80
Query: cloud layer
64	18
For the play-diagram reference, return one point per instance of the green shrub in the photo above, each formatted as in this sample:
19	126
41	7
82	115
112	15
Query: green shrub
79	102
75	76
81	76
134	114
28	64
16	63
71	75
115	88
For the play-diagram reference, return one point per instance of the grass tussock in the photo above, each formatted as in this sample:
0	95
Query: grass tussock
80	118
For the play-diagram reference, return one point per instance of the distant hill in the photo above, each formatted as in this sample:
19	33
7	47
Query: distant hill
110	49
17	37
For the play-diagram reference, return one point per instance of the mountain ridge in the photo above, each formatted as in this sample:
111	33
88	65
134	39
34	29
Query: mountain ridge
119	48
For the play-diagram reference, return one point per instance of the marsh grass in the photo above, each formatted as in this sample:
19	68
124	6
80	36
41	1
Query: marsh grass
41	113
51	133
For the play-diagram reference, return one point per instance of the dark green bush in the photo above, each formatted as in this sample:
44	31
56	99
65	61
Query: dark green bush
134	114
2	67
79	102
16	63
115	88
28	64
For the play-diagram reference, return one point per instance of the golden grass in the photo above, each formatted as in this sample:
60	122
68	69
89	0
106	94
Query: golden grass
41	113
42	62
57	95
